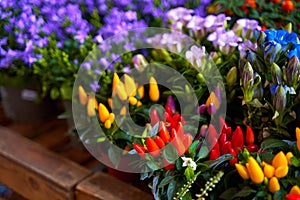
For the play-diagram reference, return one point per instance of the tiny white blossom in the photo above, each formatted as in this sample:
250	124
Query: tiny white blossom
188	162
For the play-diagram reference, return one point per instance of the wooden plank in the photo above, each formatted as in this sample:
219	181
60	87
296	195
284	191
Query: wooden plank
35	172
77	155
53	138
102	186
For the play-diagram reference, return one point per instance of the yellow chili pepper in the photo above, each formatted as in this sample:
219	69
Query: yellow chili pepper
129	86
295	190
115	82
153	90
279	160
133	101
91	106
281	171
242	170
139	103
111	117
107	124
274	185
141	91
269	170
288	156
298	137
103	113
110	102
254	170
213	99
83	98
123	111
120	89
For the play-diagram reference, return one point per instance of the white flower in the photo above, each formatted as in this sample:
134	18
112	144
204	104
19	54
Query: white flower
188	162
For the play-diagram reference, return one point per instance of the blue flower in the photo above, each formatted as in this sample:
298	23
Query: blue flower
295	51
282	37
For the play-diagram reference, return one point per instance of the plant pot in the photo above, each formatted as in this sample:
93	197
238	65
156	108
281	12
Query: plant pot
22	105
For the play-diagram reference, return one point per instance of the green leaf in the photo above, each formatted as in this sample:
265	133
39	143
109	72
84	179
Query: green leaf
229	193
54	93
187	196
189	173
203	153
152	165
245	192
295	161
273	143
66	92
193	147
170	153
154	130
166	181
171	190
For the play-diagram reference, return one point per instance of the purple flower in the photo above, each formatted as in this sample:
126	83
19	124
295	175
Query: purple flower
213	22
95	86
129	46
247	45
180	14
224	40
246	28
196	24
127	69
197	56
86	65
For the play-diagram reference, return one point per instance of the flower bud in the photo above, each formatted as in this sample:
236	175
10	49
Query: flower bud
211	109
231	77
279	101
202	109
261	40
292	71
276	74
171	103
272	50
139	62
247	76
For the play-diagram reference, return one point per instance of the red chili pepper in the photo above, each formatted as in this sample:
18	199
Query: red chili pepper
213	155
176	117
237	139
212	134
232	152
252	148
180	130
163	132
222	139
140	149
168	165
168	109
177	143
167	117
222	122
249	135
152	147
215	152
292	197
159	141
187	141
233	161
226	147
154	118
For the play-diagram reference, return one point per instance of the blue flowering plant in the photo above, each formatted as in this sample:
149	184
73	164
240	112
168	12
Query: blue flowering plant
270	82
